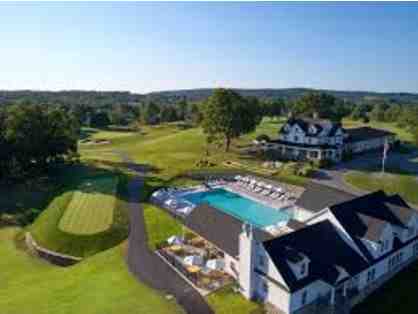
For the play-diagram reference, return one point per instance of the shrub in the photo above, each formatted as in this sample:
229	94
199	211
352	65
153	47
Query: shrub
348	155
365	119
263	137
323	163
204	163
305	170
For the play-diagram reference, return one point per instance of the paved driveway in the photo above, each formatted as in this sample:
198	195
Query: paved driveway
334	177
147	266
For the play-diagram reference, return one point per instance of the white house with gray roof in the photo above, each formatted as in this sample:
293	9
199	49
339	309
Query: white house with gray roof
316	139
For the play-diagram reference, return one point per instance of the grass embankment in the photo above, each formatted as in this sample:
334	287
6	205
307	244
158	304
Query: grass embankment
100	284
159	225
47	232
401	133
91	208
226	301
405	185
395	180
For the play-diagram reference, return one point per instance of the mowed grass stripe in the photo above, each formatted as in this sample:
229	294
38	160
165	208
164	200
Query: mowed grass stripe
91	208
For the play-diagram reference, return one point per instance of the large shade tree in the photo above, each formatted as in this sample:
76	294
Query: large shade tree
229	115
35	135
322	105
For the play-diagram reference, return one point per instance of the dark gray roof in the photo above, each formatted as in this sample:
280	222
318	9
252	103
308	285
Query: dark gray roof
372	204
317	197
322	245
365	216
365	133
219	228
373	227
402	212
320	124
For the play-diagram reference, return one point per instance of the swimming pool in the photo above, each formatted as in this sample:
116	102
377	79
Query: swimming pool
240	207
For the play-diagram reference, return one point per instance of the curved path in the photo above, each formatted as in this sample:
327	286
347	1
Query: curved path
145	264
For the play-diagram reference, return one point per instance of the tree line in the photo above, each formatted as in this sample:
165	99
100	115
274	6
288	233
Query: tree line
32	137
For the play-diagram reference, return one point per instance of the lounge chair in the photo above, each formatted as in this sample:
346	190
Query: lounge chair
275	195
266	192
258	189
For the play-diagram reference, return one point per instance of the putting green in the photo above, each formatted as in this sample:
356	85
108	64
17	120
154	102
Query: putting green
91	208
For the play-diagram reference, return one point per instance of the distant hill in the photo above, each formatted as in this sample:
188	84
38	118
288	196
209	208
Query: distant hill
72	97
98	98
285	93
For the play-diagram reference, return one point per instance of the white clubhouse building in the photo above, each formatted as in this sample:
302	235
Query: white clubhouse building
324	264
315	139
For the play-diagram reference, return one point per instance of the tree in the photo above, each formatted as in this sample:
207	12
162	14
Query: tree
168	114
36	136
359	112
151	113
194	114
182	107
415	134
392	113
408	117
273	108
229	115
378	112
117	115
99	119
319	105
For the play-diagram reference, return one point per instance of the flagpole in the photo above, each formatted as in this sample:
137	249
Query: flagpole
385	151
383	164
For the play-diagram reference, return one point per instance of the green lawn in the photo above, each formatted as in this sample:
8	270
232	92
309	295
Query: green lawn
402	134
99	285
397	296
404	184
225	301
47	232
91	208
160	225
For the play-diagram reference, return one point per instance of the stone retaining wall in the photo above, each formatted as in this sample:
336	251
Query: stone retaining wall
51	256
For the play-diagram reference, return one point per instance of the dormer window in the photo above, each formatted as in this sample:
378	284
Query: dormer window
312	129
303	269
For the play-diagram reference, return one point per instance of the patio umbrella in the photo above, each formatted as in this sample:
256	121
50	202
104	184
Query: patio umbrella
215	264
174	240
193	260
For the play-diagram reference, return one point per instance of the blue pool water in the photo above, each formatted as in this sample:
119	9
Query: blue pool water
240	207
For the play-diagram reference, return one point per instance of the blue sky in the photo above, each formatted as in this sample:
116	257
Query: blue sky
145	47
